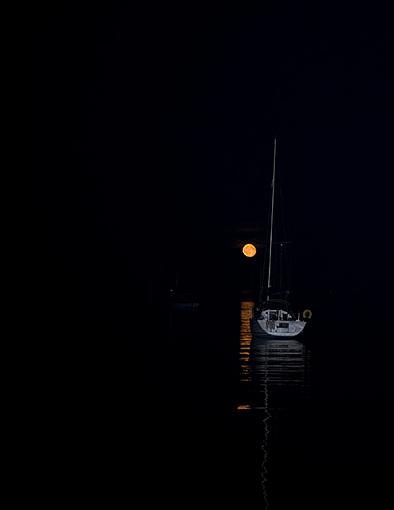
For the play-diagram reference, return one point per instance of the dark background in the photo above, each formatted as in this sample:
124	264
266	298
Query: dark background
152	138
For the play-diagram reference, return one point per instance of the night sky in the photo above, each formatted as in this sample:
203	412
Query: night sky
153	129
158	127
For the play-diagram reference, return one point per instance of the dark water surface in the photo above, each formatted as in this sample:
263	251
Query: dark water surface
273	425
195	413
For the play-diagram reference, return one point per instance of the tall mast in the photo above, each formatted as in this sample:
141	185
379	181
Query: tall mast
272	220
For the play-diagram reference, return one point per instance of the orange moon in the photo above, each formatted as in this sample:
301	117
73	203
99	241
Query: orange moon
249	250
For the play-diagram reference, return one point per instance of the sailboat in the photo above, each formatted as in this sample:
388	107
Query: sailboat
272	317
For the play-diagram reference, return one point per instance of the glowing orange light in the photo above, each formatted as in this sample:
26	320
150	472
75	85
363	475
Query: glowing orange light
249	250
244	407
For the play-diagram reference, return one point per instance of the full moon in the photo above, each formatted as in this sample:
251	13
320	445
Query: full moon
249	250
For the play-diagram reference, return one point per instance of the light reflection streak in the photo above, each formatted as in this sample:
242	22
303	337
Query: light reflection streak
272	373
245	341
264	446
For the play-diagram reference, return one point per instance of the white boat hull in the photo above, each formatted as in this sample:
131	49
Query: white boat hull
277	328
